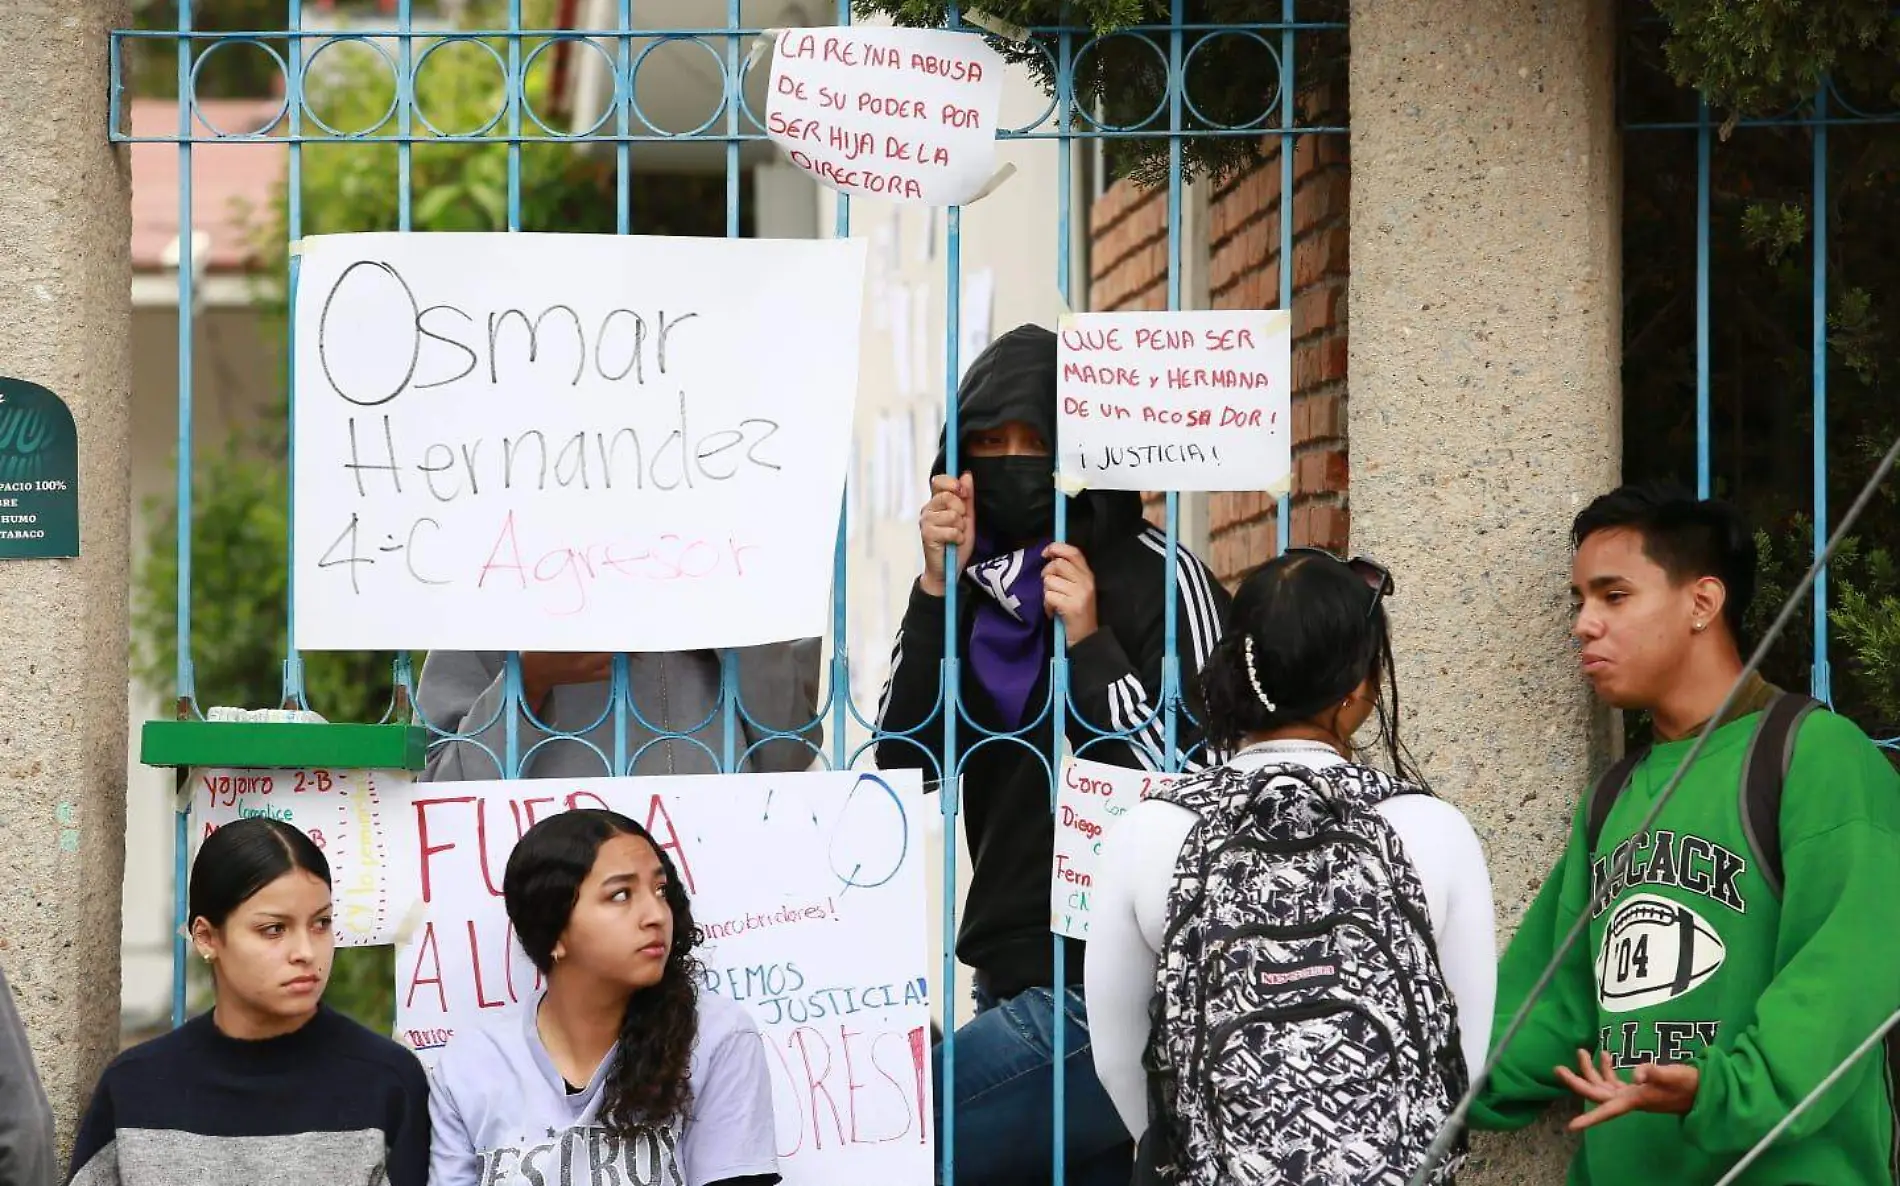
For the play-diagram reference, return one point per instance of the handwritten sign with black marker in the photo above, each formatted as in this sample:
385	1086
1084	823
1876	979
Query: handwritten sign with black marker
1176	401
570	442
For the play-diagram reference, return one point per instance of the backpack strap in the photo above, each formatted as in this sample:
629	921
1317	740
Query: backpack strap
1604	794
1764	777
1764	772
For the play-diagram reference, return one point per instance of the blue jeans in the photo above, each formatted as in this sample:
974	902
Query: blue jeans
1005	1097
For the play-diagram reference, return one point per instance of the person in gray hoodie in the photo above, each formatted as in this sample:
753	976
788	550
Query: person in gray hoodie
27	1156
676	723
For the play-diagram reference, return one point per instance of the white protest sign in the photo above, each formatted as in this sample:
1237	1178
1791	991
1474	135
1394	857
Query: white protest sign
345	813
1176	401
810	890
908	115
570	442
1093	798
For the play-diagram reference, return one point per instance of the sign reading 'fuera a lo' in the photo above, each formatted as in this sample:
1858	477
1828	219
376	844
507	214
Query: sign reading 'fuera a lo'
39	474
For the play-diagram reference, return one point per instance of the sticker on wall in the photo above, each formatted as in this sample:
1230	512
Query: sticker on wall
39	474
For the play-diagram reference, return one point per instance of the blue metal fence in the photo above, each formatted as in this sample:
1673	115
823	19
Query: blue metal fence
1664	119
624	47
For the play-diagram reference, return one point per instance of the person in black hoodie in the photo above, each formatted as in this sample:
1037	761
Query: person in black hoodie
1108	585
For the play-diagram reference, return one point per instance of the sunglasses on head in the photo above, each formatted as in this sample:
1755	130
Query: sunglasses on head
1377	577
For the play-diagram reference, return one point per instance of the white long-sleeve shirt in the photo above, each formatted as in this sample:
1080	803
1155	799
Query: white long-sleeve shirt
1129	916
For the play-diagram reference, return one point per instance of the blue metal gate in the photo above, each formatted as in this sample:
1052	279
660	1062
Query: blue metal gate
1738	241
1181	119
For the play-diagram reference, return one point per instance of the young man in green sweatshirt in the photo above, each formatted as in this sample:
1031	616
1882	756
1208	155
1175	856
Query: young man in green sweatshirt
1705	1001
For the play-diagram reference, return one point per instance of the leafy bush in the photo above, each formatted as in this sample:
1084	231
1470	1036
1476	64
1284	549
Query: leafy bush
1869	625
1233	79
1863	614
234	72
1755	57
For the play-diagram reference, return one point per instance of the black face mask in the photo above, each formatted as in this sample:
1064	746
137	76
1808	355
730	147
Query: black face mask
1015	497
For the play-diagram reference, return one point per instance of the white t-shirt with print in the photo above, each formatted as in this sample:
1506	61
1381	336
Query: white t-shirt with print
502	1116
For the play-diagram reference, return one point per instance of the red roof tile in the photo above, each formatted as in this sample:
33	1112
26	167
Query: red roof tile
226	180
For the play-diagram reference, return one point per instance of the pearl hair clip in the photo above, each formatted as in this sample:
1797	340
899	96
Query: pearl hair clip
1253	674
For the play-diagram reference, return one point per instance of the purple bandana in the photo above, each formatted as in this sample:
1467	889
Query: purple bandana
1009	645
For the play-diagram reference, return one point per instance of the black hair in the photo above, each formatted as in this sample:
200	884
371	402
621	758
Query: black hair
1687	537
243	857
1313	642
650	1083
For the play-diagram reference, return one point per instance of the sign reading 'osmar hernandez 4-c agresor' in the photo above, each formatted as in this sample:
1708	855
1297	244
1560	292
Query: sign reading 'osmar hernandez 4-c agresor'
569	442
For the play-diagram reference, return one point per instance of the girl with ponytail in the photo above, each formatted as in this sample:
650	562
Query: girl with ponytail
622	1070
1305	668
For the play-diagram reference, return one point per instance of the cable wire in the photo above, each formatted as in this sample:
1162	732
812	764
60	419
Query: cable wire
1833	1076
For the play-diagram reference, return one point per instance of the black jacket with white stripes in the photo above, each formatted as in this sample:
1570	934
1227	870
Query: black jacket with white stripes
1116	712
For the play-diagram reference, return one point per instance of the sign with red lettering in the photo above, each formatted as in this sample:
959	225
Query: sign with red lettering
908	115
570	442
1092	799
1176	401
344	813
810	891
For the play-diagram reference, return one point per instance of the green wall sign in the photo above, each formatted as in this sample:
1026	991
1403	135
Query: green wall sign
39	474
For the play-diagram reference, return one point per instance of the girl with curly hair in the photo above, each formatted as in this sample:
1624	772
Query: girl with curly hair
621	1071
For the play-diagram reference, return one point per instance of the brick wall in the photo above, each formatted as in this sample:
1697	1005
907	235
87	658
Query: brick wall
1128	270
1128	249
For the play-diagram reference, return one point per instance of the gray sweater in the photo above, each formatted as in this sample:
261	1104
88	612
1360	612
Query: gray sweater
329	1103
461	697
27	1156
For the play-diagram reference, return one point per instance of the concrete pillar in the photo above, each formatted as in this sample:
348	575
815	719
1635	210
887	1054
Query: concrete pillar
65	291
1485	404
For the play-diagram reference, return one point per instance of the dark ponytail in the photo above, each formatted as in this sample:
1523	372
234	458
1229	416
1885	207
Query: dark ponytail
1301	641
1233	711
650	1082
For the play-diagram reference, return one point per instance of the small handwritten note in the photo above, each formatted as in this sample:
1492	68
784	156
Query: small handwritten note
908	115
1176	401
343	813
1090	800
570	442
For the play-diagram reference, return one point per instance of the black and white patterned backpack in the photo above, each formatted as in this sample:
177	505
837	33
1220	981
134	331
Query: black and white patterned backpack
1303	1032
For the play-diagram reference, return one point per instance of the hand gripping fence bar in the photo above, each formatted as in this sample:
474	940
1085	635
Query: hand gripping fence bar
1441	1145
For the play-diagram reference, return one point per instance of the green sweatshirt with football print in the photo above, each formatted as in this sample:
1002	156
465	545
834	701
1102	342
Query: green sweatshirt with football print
1694	959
